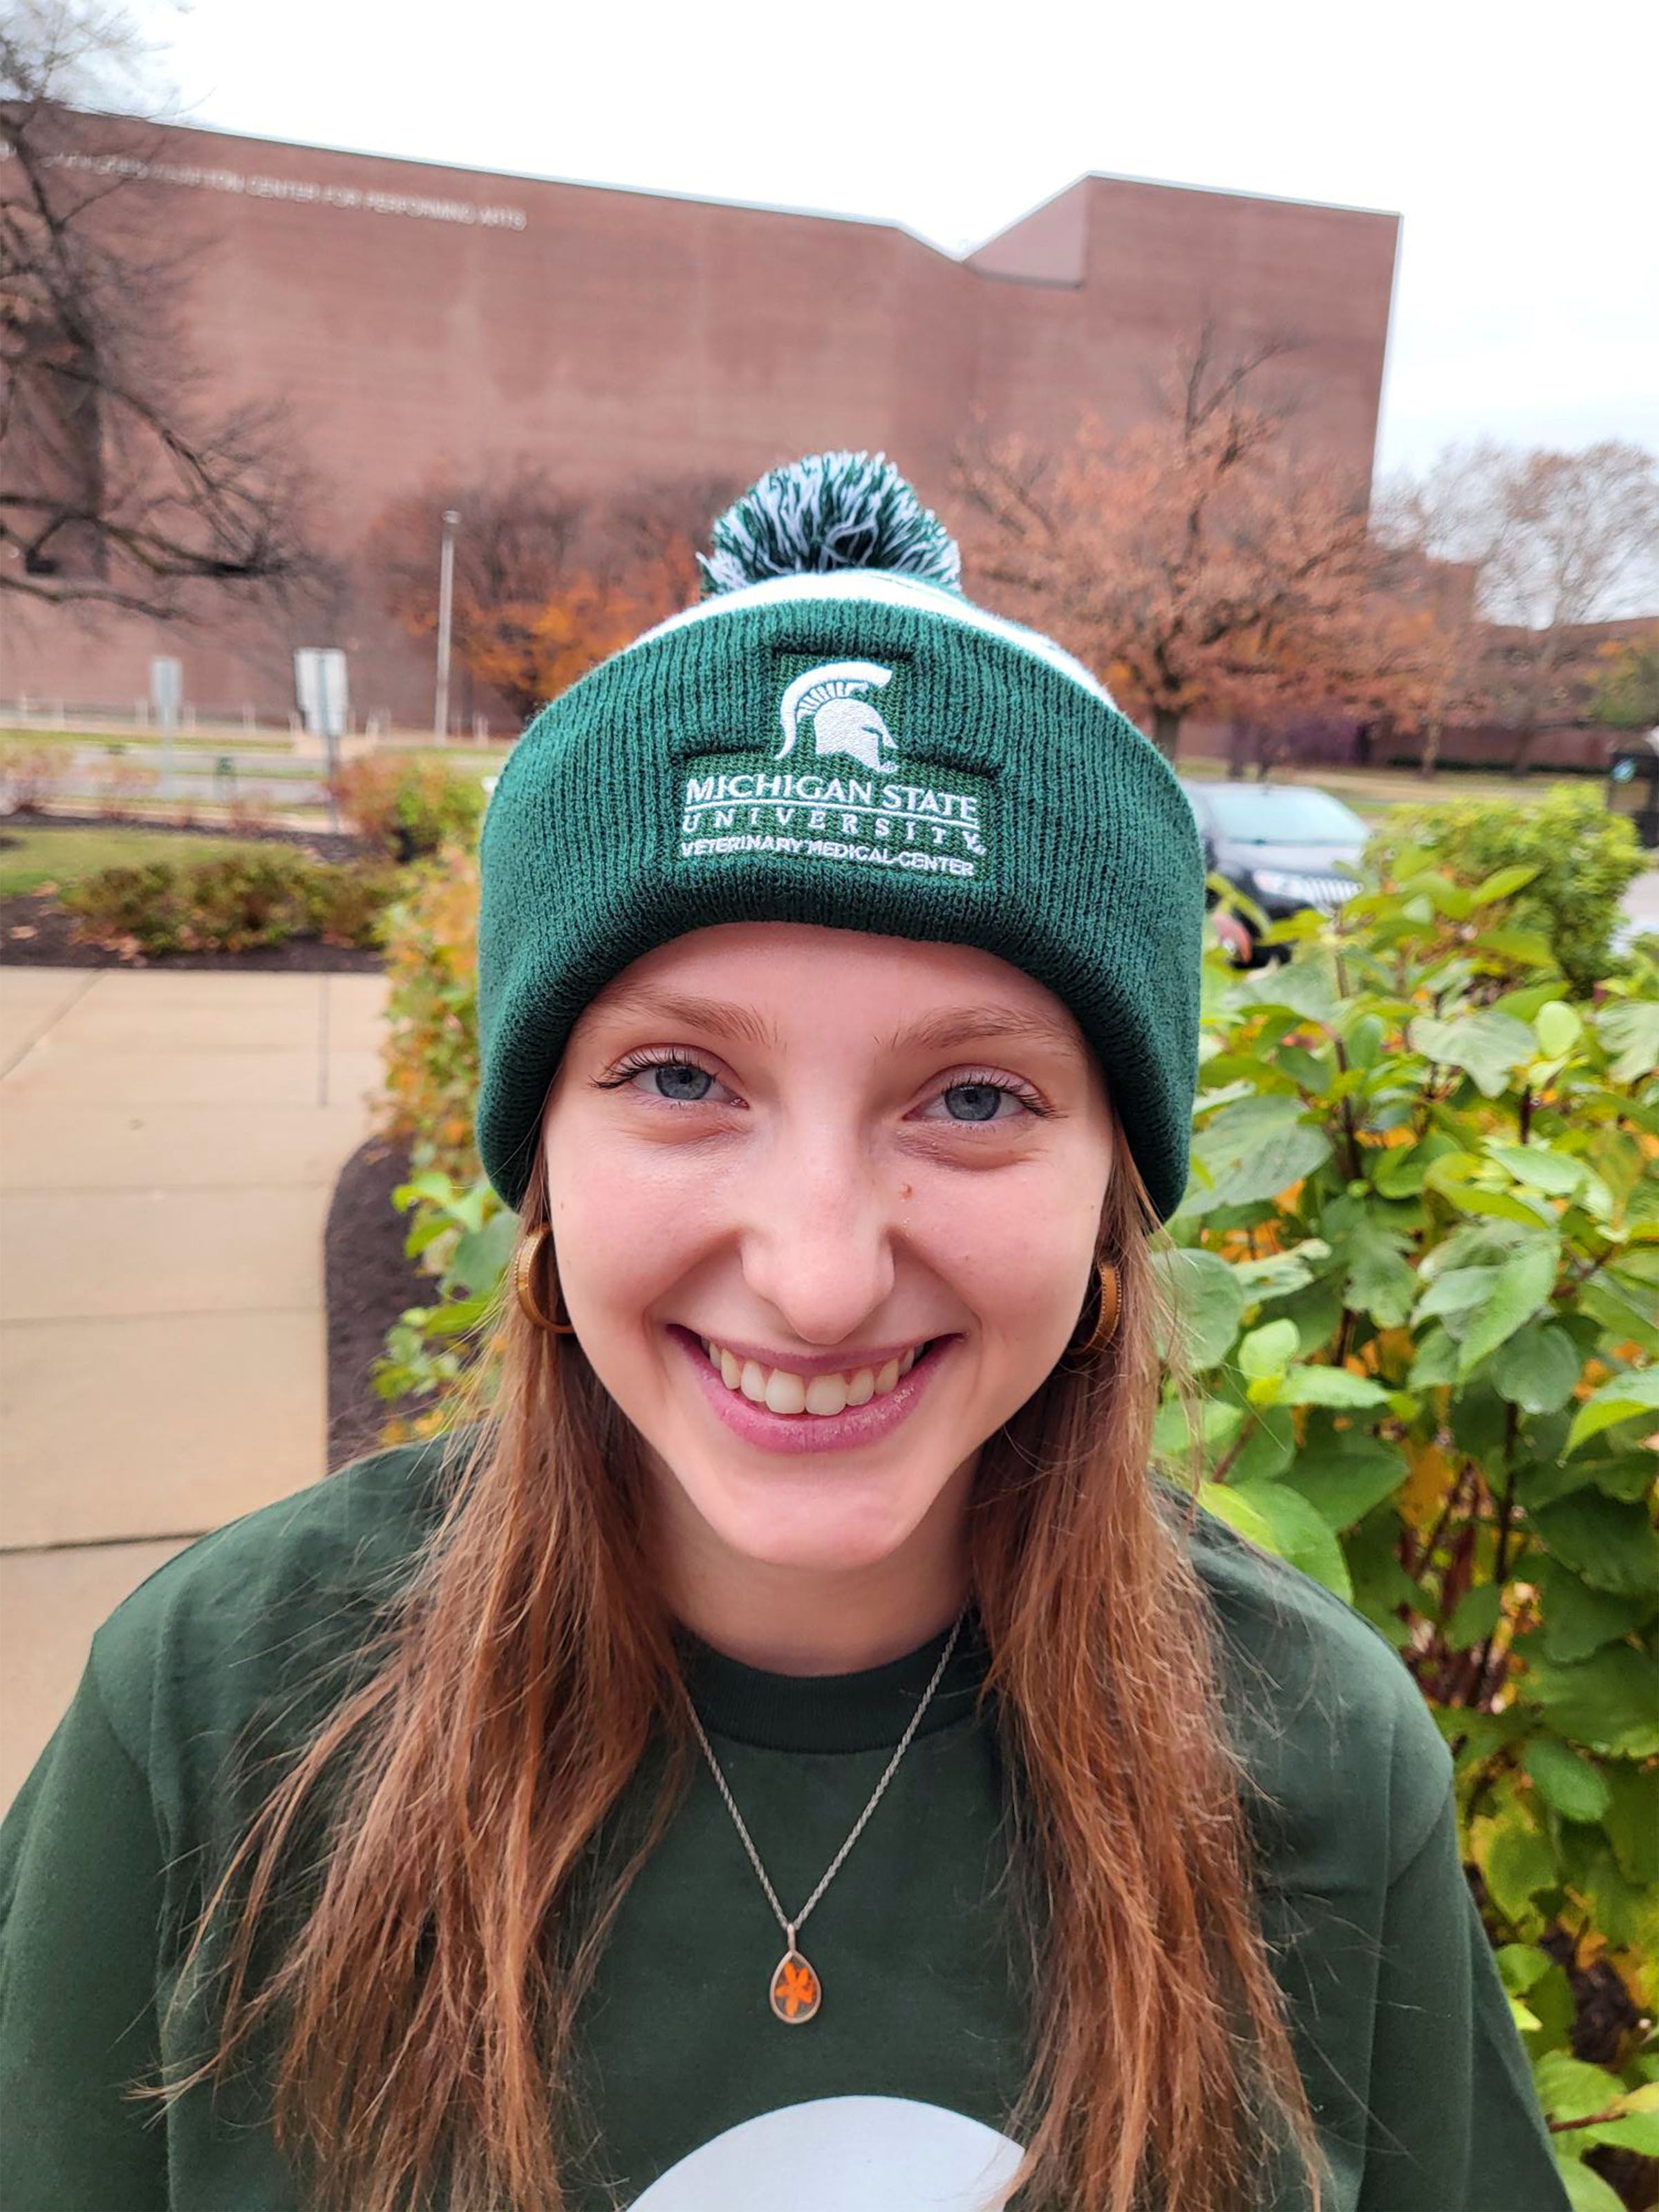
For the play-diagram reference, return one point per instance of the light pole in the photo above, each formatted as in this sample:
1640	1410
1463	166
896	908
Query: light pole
446	605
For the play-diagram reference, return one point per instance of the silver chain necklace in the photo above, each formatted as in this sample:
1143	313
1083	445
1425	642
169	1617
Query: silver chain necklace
795	1991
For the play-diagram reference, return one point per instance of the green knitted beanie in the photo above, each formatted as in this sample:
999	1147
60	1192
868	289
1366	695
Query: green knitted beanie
835	735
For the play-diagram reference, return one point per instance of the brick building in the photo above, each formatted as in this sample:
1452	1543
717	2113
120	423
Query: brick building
417	318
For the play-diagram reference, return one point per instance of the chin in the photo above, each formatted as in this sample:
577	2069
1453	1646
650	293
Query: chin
816	1523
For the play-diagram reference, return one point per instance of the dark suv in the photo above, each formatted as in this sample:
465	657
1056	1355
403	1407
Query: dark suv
1285	845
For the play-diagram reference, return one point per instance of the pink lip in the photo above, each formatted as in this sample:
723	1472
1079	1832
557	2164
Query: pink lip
813	1432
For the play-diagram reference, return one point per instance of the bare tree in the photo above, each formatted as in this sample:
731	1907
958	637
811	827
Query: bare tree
1201	564
121	484
1551	545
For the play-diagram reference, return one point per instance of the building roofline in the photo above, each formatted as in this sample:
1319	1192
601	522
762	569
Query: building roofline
754	207
536	177
1173	185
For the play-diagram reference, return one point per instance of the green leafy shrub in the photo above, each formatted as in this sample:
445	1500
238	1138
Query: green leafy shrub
229	904
1581	859
460	1231
410	809
1417	1269
1418	1264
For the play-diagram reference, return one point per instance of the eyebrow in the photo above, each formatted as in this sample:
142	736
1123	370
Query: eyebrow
947	1031
715	1017
954	1026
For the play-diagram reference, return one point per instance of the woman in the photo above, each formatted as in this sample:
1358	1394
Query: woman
787	1748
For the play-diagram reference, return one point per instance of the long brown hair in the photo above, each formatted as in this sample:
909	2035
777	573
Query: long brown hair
424	2012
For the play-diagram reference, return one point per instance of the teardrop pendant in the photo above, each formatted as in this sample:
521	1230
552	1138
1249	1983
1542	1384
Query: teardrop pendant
796	1992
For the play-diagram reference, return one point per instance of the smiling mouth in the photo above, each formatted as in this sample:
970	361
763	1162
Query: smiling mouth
781	1391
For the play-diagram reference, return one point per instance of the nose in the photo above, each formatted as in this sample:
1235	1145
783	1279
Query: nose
817	1242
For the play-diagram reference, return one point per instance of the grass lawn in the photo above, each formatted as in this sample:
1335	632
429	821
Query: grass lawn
139	741
463	757
63	856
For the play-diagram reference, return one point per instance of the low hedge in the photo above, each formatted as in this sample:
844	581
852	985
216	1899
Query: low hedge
409	809
231	904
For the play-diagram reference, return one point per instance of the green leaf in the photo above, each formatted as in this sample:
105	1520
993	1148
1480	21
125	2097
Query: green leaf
1306	987
1267	1449
1557	1173
1586	2190
1459	1289
1381	1281
1637	2131
1629	1029
1631	1824
1609	1703
1436	1361
1504	882
1536	1367
1520	1965
1577	1791
453	1320
1577	1619
1613	1545
1299	1533
1519	1864
1281	1161
1570	2088
1636	1391
1627	1318
1329	1386
1345	1477
1399	1171
1219	1418
481	1256
1242	1125
1230	1504
1475	1615
1489	1044
1521	1286
1268	1350
1525	945
1208	1297
1277	1274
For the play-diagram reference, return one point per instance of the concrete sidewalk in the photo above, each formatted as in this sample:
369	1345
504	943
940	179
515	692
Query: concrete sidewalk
168	1147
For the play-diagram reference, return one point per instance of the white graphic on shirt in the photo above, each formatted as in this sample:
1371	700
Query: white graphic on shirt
844	2155
842	722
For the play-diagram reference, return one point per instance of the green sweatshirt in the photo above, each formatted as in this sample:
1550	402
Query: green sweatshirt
898	2094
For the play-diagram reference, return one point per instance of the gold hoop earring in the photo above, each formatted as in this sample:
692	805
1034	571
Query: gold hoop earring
524	1276
1104	1325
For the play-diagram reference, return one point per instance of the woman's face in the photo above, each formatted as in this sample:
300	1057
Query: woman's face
825	1208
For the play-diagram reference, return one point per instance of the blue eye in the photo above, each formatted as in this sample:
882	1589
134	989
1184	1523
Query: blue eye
676	1079
975	1102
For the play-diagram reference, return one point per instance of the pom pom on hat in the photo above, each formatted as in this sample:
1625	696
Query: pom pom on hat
830	510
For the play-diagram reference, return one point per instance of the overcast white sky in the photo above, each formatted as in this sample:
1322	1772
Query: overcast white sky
1517	141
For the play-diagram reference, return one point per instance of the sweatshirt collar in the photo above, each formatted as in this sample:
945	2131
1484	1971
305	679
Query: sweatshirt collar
861	1711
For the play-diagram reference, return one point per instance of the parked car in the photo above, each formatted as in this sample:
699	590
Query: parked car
1285	845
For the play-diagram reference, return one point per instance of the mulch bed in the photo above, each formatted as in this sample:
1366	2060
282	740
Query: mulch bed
35	932
367	1284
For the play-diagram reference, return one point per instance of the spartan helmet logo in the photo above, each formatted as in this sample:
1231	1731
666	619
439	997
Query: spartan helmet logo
842	722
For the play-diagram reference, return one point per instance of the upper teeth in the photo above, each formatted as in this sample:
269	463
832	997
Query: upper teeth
782	1392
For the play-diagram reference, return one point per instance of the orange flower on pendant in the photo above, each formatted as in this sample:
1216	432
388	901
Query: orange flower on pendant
797	1992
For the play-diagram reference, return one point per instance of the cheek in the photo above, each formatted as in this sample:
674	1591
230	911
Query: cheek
1017	1251
628	1223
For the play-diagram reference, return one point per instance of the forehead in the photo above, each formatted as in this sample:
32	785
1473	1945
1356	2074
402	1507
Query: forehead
787	974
